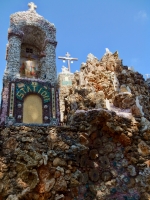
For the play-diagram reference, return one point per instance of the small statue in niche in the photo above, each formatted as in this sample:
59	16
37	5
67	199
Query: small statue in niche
33	71
29	69
65	70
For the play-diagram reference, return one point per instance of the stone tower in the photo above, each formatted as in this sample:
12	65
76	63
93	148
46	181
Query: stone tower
29	84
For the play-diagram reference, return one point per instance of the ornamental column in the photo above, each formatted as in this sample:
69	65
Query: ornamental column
48	63
13	54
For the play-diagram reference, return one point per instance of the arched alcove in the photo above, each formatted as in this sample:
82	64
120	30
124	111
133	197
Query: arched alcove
33	36
32	109
31	51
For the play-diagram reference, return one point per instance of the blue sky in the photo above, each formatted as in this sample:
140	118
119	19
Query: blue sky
89	26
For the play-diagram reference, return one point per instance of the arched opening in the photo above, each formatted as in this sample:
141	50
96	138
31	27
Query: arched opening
31	51
32	109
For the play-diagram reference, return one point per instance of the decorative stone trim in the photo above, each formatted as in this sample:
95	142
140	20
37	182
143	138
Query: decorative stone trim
4	108
33	87
10	121
57	107
53	103
11	103
54	43
34	19
16	94
15	32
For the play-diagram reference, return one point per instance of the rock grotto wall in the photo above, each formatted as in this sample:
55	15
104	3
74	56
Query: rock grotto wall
102	154
99	156
106	83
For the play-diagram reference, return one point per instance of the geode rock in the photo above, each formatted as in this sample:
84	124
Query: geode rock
109	147
61	184
104	139
84	178
104	162
10	145
124	140
101	151
131	170
97	142
74	182
29	178
111	155
59	162
83	139
94	175
23	156
106	176
118	155
93	154
43	172
46	186
84	160
143	149
20	167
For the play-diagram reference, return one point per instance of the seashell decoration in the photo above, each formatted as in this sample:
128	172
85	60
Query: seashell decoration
118	155
19	105
19	116
45	118
45	106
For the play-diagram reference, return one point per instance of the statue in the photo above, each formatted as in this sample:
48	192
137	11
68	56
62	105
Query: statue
65	70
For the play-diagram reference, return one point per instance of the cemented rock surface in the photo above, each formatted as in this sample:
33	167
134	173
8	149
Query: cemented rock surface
93	158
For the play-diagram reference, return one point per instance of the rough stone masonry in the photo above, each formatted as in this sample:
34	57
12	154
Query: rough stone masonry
100	152
103	151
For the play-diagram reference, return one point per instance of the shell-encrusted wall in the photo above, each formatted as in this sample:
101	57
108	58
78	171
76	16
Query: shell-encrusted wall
31	29
31	59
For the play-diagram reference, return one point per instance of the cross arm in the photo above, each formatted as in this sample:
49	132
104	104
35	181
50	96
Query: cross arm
66	58
62	58
73	58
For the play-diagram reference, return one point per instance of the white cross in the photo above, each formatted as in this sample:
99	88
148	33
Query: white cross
67	57
32	6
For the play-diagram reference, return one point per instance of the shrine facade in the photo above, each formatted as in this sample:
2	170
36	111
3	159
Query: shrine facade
30	93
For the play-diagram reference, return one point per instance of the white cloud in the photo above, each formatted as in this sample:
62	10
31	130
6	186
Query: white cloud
141	15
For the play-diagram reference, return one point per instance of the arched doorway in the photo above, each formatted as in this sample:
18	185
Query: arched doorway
32	109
